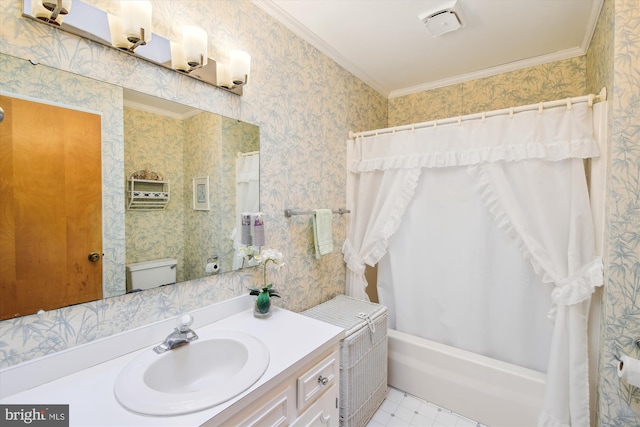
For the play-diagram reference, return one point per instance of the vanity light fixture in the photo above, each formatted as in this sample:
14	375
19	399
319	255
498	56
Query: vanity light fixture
136	21
49	11
239	67
132	28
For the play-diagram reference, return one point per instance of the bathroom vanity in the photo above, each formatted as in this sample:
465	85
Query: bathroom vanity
299	386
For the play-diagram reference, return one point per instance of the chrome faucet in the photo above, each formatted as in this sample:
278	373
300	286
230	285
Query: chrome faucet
181	335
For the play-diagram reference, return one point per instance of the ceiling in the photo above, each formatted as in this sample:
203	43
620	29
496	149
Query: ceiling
385	44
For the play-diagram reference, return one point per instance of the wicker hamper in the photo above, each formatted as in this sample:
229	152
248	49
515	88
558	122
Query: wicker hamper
363	355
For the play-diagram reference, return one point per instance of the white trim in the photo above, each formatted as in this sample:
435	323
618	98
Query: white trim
596	8
493	71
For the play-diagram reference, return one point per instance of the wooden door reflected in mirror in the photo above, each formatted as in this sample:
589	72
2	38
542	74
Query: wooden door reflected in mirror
50	207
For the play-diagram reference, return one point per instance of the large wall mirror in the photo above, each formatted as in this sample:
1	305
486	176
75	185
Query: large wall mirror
151	139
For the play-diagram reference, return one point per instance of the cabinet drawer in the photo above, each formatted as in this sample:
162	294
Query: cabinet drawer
316	380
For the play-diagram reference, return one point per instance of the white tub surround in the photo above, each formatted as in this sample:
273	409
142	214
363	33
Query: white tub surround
86	374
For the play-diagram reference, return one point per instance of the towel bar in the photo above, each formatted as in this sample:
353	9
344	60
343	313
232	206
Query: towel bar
291	212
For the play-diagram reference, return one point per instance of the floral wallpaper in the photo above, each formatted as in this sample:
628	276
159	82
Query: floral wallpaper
180	149
202	235
211	144
154	143
547	82
619	44
304	104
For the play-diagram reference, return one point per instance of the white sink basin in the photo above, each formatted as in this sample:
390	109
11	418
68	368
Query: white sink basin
196	376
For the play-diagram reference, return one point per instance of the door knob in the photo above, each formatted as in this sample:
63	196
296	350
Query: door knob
94	257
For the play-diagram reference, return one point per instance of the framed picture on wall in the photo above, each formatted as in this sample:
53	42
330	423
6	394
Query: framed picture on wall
201	193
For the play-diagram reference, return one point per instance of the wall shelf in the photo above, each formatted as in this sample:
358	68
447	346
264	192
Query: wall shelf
147	194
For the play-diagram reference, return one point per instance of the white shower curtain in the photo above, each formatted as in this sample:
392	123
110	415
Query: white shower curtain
247	198
527	171
474	290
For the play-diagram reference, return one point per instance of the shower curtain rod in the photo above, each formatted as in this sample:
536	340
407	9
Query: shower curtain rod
602	96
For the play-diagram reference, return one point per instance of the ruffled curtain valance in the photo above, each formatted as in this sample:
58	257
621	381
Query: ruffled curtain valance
529	170
554	134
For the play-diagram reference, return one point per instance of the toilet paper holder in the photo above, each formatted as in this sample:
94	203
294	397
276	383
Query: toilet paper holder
212	267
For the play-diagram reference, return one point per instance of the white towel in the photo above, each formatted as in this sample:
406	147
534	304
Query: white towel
322	233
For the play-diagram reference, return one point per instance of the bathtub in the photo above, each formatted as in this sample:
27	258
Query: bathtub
486	390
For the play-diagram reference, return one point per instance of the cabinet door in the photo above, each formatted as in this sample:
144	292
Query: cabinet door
323	413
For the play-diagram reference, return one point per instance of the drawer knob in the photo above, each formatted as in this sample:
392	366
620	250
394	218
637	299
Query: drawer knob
323	380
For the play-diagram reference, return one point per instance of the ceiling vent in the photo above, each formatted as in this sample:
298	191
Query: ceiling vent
443	20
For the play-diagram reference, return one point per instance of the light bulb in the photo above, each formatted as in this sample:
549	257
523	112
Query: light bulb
136	16
117	32
223	76
178	61
239	66
194	43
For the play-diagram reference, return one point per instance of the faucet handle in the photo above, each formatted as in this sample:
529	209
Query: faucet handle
185	320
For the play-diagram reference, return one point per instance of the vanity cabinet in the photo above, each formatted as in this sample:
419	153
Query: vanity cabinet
308	397
299	387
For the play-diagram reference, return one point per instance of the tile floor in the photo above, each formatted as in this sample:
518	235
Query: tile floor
402	409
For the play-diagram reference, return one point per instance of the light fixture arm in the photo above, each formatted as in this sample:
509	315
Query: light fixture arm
137	41
241	82
56	9
194	66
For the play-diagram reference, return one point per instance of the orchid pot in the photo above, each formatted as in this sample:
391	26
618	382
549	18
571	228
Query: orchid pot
263	307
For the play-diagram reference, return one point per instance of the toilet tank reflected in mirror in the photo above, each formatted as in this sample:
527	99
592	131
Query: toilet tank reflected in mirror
151	274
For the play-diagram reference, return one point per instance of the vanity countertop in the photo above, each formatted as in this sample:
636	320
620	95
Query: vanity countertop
292	340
